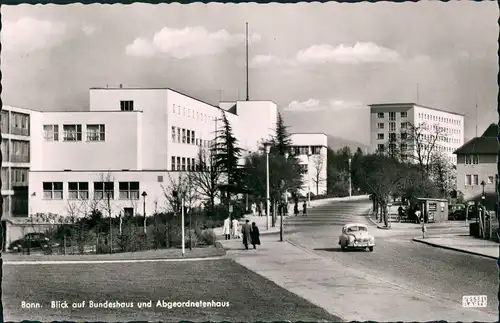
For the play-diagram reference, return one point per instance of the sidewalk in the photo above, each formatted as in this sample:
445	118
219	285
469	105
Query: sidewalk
464	243
332	286
461	242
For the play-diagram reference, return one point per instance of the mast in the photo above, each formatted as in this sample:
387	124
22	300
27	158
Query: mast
247	59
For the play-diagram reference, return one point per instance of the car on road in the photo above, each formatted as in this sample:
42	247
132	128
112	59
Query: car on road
356	236
32	240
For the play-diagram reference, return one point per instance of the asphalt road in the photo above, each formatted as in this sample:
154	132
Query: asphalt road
436	272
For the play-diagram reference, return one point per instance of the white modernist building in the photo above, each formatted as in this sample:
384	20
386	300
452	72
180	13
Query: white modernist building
132	141
392	119
311	150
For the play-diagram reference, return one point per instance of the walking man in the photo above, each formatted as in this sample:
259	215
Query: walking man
304	208
255	235
246	231
226	231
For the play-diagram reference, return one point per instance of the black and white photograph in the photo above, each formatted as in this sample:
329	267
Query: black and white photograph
244	162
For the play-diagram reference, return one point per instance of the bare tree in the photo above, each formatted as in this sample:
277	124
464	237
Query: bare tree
318	166
416	144
206	177
185	188
443	174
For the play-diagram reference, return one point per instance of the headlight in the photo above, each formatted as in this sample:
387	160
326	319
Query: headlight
372	239
351	238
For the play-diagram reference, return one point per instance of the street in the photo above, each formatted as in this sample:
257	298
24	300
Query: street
435	272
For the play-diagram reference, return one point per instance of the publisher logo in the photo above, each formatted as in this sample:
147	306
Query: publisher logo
475	301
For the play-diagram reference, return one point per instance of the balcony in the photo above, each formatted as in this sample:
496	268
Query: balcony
19	131
19	159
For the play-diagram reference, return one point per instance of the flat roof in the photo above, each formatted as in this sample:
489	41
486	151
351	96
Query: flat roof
411	104
308	133
152	88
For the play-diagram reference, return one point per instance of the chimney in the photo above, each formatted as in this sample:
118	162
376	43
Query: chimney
121	86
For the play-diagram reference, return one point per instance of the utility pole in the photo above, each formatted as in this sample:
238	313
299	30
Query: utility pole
248	95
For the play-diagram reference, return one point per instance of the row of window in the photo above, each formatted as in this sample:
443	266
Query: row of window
18	176
440	129
186	136
392	115
80	190
306	150
471	159
16	123
473	180
431	117
183	163
192	114
73	132
16	151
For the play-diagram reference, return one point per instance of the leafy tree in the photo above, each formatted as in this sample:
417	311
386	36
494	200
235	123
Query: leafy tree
281	142
227	153
284	175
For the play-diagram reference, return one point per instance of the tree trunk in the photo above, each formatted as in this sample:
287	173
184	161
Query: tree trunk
385	212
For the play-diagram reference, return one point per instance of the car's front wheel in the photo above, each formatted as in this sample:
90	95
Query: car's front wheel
370	248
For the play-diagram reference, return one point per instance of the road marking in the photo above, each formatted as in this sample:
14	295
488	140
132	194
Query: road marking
475	301
124	261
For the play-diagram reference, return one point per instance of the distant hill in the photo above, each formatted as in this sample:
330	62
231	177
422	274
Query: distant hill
336	143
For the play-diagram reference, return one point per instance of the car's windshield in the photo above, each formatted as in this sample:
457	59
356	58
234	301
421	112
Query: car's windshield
356	228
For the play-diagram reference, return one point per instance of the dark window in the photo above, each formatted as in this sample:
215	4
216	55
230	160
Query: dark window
104	189
129	190
127	105
53	190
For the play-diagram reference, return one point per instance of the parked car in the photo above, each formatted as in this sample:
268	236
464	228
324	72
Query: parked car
356	236
458	211
32	240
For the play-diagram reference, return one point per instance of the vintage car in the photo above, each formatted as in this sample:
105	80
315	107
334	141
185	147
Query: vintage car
356	236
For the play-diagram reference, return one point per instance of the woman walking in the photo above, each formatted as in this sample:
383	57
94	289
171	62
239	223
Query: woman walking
255	235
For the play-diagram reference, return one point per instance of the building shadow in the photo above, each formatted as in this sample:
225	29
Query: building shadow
338	250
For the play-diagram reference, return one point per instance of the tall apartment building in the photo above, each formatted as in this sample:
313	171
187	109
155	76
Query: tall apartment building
15	127
311	150
392	120
131	141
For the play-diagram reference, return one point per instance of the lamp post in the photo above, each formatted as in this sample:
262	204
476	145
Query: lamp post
482	196
267	147
144	194
286	205
309	153
350	179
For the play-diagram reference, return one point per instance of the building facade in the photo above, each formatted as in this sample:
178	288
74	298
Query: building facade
130	142
311	150
396	125
477	167
16	135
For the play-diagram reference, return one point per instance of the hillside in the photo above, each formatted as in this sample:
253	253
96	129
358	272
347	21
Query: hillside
336	143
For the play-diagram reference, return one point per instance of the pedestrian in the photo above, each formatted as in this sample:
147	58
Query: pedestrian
226	231
235	229
246	231
418	215
304	208
260	208
296	208
400	213
285	208
255	235
254	208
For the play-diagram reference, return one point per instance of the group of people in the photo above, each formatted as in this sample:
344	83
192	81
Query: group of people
296	208
250	233
282	208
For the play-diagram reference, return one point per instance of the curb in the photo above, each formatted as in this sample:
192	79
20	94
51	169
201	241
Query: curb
375	222
454	249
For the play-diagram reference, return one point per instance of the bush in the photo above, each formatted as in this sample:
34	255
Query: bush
208	237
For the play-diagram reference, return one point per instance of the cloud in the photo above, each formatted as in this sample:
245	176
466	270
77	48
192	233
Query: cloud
89	30
316	105
187	42
341	54
29	34
359	53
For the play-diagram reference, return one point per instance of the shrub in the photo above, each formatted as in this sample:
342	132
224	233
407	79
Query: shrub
208	237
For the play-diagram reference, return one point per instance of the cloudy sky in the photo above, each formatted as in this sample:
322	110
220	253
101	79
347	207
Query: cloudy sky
321	63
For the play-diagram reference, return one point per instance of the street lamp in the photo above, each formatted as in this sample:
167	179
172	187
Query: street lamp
267	147
286	205
350	179
144	194
309	153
